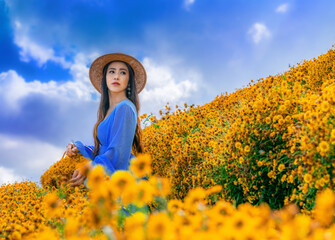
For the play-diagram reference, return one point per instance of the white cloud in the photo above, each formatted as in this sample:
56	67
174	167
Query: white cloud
282	8
259	31
30	50
13	87
7	176
28	156
162	86
79	70
188	3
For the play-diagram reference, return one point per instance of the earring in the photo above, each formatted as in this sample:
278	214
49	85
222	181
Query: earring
128	88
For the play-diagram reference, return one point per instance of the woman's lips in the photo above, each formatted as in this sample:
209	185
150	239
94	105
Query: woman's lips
115	83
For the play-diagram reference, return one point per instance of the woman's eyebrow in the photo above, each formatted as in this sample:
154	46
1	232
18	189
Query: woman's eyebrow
120	69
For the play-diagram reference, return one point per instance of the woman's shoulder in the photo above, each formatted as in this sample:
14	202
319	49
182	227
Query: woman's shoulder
129	103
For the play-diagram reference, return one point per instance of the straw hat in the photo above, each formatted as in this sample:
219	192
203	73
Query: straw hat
96	69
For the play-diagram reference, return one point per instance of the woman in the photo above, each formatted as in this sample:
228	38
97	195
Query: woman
119	78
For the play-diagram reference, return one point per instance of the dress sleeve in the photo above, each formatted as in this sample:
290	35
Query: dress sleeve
120	139
85	150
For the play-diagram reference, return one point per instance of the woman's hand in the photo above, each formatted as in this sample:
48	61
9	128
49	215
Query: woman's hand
80	174
77	178
71	150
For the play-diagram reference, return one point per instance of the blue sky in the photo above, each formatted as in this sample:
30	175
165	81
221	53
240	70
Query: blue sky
193	50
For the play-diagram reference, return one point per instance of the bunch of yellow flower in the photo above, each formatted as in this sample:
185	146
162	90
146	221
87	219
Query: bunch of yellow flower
61	171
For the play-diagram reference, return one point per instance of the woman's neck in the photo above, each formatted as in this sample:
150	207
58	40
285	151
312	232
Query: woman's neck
116	100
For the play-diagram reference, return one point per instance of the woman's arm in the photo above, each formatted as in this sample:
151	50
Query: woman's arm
120	138
86	151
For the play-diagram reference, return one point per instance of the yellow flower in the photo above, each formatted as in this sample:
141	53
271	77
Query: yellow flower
332	134
321	182
305	188
96	176
72	226
247	148
104	191
308	178
324	146
136	219
283	178
239	224
129	194
290	179
325	106
268	120
281	121
214	189
52	204
16	235
272	174
51	200
223	208
122	181
145	193
174	205
281	167
160	227
141	165
134	226
194	197
238	145
47	234
282	108
325	207
83	167
161	185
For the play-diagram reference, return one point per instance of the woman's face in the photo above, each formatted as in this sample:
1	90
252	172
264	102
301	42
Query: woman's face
117	72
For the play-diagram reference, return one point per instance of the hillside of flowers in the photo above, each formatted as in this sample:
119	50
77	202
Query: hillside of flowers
272	141
255	164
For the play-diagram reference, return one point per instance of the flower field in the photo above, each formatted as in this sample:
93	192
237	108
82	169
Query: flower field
272	142
258	163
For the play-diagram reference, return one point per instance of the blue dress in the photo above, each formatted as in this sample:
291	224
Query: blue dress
116	134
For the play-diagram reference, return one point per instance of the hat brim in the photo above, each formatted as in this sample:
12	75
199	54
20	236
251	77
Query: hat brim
96	69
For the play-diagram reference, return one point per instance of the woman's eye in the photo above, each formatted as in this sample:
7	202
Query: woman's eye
124	72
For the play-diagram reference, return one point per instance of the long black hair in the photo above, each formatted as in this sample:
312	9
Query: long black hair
137	145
